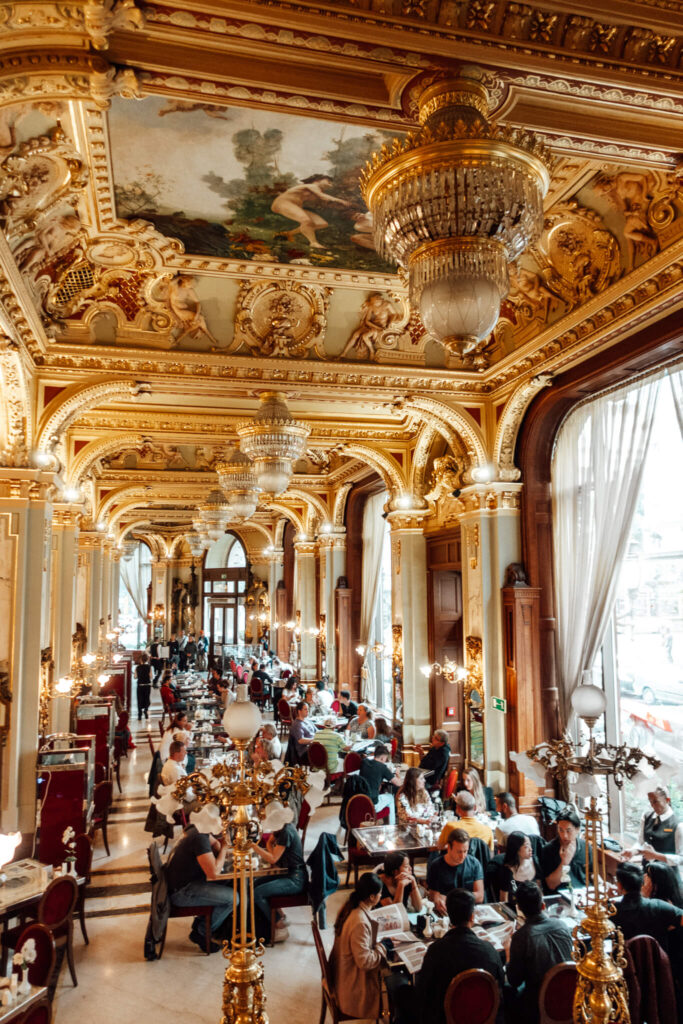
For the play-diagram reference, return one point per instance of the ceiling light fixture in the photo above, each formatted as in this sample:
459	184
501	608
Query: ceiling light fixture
455	203
215	514
273	441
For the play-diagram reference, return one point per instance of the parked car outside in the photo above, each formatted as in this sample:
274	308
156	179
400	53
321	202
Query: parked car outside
659	684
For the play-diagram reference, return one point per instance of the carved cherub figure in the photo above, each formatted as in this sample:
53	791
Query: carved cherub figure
446	477
529	293
631	193
376	318
186	307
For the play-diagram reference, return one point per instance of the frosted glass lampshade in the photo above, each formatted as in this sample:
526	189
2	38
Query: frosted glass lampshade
242	719
589	702
460	310
273	475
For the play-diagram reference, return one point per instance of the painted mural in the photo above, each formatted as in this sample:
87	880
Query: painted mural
246	184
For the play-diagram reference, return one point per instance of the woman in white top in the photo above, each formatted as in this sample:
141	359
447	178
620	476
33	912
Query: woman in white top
519	865
414	803
178	729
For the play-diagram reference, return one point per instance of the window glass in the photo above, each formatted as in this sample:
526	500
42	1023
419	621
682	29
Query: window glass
220	587
237	558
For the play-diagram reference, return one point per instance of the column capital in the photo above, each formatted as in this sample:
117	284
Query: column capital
65	516
90	540
335	537
412	520
26	484
274	555
491	497
305	547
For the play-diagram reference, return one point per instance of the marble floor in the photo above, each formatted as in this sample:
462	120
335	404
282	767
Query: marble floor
116	983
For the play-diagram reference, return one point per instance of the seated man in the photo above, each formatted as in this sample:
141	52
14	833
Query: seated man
511	820
196	858
435	761
459	950
375	772
349	709
174	769
454	869
464	808
539	944
567	850
266	680
661	833
637	915
333	742
271	741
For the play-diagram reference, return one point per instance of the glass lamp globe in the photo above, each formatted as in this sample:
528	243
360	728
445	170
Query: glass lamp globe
589	702
273	475
242	719
460	311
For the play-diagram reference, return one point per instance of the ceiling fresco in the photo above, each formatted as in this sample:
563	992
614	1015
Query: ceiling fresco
246	184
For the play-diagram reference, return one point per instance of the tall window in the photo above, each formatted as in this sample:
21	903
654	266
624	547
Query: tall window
225	590
135	578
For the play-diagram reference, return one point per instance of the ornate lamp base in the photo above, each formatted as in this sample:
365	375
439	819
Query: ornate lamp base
243	998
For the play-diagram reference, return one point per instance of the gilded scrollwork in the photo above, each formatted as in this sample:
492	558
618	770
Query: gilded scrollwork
577	255
286	318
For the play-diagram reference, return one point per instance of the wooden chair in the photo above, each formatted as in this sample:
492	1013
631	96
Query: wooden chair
100	772
83	846
39	1013
360	810
41	970
335	706
352	762
449	784
473	996
118	747
284	714
302	823
101	804
556	998
317	759
329	998
55	911
198	911
296	899
152	748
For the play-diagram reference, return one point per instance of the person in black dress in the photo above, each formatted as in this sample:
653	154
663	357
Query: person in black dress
143	675
398	883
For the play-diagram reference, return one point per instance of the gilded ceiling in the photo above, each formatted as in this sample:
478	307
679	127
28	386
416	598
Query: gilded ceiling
180	207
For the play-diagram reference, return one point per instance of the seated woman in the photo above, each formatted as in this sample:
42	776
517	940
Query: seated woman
662	882
362	726
414	804
484	800
399	885
383	731
518	866
356	960
284	849
177	729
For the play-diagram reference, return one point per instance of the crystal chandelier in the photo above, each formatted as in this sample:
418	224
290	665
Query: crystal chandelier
199	527
195	543
273	441
215	514
238	482
454	204
128	549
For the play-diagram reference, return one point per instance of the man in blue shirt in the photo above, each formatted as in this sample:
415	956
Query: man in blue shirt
455	869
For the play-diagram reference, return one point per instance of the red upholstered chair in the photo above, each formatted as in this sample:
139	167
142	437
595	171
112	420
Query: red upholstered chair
394	746
449	784
41	970
329	997
161	724
198	911
352	762
56	910
284	714
473	996
83	868
101	804
100	772
360	811
40	1013
118	751
317	759
302	823
556	998
335	706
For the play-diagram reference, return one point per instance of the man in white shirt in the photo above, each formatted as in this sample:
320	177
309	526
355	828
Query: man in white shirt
661	833
511	820
174	770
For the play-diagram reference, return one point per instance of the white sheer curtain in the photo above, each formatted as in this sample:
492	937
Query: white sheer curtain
136	575
596	474
676	380
373	540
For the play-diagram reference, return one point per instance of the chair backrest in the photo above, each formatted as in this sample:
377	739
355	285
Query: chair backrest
394	746
450	784
151	744
100	772
322	959
556	998
473	996
304	815
83	848
39	1013
161	728
256	687
102	797
284	710
58	901
40	971
335	706
359	810
317	756
122	722
352	762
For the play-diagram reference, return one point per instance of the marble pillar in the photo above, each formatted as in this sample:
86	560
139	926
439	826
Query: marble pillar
65	565
409	610
160	586
491	541
115	586
90	547
276	568
25	576
333	545
306	604
105	600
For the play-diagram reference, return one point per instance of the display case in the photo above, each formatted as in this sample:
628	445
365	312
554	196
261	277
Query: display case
65	781
96	716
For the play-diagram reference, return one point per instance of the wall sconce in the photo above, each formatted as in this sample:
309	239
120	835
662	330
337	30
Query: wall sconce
450	670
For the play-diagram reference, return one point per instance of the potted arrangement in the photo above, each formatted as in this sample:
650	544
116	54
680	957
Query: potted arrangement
69	842
22	960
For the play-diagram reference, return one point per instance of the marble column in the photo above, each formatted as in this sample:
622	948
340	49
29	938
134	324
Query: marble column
160	584
491	541
409	610
65	531
115	585
25	556
276	568
90	546
105	606
306	604
334	547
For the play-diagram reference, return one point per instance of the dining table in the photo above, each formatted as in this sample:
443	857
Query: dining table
22	1003
25	883
414	841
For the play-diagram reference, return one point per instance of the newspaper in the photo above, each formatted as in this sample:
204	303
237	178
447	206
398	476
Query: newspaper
486	914
391	922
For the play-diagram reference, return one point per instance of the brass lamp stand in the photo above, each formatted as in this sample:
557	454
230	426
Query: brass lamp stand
601	994
238	800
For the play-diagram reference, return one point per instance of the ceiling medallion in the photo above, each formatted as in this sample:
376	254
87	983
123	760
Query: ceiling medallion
238	483
273	441
454	204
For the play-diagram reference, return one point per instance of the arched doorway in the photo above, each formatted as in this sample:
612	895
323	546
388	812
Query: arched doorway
225	577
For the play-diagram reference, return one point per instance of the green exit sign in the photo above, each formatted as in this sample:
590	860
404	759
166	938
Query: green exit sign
499	704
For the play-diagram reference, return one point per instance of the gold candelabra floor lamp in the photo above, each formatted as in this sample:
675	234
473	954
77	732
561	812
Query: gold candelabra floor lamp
601	993
241	801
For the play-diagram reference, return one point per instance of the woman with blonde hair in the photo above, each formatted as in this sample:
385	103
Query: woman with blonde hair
484	801
413	802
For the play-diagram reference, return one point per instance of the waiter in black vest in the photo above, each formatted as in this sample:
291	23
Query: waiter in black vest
661	833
